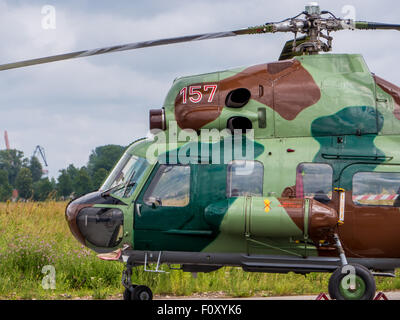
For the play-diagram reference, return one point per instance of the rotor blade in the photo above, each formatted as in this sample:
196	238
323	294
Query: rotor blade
137	45
287	51
364	25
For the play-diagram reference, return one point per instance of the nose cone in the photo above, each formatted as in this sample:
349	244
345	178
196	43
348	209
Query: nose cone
71	213
77	205
98	226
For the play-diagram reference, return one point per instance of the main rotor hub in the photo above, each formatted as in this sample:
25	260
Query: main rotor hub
316	25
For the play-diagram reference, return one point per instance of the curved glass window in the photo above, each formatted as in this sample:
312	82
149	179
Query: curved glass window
102	227
126	175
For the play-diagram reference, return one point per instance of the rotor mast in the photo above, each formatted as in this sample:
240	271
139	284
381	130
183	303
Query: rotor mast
313	11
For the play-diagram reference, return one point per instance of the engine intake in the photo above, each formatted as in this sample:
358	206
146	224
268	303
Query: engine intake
237	98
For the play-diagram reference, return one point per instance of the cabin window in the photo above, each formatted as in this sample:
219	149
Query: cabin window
314	180
376	189
245	178
170	187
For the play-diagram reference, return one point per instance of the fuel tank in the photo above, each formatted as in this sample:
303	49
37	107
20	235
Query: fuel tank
272	217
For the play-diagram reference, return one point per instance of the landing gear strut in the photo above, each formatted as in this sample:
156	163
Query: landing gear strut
132	291
351	281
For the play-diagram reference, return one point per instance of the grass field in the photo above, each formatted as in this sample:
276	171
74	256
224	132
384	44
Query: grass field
33	235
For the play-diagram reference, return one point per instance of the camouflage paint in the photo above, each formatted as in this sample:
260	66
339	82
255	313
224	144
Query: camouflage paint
350	121
177	228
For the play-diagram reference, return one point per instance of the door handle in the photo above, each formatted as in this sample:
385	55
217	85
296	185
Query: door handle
138	206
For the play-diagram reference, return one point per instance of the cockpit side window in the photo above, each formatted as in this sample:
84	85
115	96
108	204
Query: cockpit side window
245	178
314	180
170	187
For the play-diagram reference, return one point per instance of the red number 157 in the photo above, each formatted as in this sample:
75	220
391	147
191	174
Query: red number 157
195	94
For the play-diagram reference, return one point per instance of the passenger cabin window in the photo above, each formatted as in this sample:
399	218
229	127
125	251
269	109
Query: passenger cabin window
170	187
314	180
376	189
245	178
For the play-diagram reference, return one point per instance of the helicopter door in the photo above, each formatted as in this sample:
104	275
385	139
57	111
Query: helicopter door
163	207
372	206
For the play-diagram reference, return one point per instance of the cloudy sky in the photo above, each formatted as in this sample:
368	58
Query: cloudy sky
70	107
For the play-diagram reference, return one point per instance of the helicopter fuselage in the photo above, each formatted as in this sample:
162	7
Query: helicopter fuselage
323	160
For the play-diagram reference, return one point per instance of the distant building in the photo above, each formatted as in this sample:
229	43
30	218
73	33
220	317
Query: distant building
15	195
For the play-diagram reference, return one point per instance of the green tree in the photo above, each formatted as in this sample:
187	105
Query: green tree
73	173
86	179
36	169
104	157
83	182
5	187
65	184
53	184
42	189
24	183
12	162
99	177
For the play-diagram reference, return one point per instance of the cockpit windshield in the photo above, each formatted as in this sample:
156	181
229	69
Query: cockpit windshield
126	175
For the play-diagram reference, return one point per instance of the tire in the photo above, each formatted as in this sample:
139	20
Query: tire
365	284
142	293
128	295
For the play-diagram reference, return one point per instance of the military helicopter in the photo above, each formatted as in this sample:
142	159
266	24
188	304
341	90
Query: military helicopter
318	191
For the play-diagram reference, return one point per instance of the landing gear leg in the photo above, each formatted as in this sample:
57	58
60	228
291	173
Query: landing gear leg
132	291
342	256
351	281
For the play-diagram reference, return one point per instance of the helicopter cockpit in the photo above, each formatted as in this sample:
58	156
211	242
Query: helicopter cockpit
124	178
97	219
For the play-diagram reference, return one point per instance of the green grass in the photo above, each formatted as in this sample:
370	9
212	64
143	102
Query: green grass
33	235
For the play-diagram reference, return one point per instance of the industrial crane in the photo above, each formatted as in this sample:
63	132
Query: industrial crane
40	150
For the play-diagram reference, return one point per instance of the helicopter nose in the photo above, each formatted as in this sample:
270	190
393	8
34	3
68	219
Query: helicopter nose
71	213
95	226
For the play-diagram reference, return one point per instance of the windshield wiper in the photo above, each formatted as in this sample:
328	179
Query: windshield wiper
115	188
118	187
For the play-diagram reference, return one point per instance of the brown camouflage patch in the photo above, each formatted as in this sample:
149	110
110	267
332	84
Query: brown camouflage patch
393	90
285	86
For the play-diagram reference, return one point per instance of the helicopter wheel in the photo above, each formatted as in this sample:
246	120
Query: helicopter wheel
138	293
128	293
340	289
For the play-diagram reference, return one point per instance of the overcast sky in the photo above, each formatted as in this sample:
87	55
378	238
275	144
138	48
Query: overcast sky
70	107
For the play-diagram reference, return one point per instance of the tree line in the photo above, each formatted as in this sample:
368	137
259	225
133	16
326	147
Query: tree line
26	175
